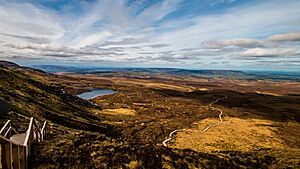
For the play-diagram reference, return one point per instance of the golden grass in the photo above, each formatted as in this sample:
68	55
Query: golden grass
233	134
268	93
156	85
120	111
203	89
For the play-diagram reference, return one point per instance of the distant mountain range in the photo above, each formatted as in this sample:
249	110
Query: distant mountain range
234	74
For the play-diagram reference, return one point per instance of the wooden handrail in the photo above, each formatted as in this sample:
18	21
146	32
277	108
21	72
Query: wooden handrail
28	132
38	132
44	130
8	130
10	159
4	127
44	126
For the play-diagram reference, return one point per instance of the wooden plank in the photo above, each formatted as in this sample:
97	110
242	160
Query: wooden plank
15	155
27	149
1	156
22	152
19	157
6	154
18	138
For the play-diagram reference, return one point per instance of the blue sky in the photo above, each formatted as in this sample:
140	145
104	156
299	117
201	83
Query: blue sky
200	34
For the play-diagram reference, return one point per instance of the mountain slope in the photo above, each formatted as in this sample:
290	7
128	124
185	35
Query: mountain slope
24	94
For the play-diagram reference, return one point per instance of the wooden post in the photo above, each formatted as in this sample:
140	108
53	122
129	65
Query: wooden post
1	156
46	128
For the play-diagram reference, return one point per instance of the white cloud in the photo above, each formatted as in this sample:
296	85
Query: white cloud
93	38
247	43
292	36
24	19
264	52
114	31
256	20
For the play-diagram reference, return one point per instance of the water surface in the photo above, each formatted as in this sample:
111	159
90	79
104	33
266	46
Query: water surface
95	93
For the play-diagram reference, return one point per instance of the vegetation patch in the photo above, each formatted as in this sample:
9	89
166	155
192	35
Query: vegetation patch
120	111
234	134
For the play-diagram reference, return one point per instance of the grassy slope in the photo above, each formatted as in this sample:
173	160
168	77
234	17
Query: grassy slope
27	96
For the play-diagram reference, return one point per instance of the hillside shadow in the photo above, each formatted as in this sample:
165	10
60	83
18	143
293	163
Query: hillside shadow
275	108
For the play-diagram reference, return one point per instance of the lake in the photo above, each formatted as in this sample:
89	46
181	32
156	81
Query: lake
95	93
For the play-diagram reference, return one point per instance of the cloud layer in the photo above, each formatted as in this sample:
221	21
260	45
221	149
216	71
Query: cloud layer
174	33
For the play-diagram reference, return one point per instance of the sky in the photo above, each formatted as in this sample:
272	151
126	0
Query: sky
193	34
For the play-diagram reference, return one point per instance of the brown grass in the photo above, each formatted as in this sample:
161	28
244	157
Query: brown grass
120	111
233	134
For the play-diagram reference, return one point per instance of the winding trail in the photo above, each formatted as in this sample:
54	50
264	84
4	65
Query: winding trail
208	127
214	108
170	137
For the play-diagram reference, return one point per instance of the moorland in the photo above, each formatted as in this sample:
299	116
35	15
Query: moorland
216	121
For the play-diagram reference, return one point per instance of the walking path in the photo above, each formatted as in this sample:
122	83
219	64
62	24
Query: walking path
208	127
214	108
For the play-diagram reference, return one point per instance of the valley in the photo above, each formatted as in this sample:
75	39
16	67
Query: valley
218	121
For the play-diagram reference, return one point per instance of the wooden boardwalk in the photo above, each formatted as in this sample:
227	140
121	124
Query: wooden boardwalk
15	147
18	138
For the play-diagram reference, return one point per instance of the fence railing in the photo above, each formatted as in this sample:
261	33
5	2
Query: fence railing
15	154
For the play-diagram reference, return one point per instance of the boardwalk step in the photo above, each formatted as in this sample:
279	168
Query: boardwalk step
18	138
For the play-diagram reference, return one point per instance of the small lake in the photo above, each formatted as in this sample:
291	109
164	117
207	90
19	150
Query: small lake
95	93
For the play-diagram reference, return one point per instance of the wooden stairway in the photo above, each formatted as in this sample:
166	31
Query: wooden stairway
18	138
15	147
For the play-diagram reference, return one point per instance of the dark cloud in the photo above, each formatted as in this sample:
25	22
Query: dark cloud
125	41
189	49
60	55
157	45
147	53
37	47
28	38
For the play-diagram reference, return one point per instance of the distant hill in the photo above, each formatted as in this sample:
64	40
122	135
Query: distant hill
234	74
